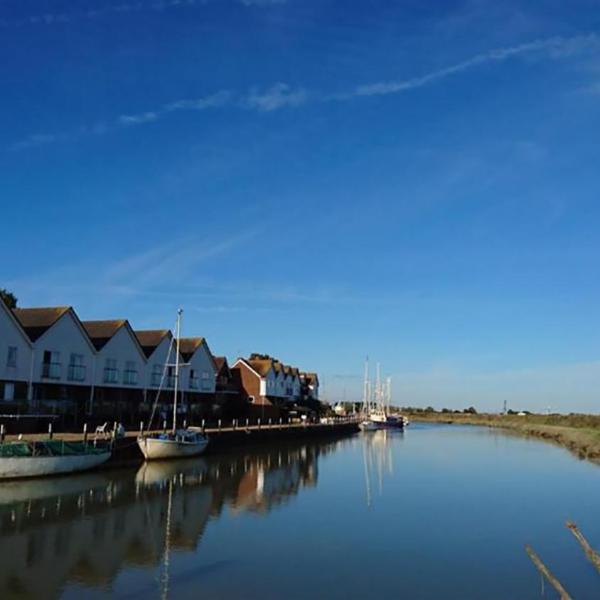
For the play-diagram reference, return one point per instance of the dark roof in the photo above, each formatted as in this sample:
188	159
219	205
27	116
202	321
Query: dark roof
149	339
36	321
187	346
220	361
101	332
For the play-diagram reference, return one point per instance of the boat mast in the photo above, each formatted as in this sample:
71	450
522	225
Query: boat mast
378	395
177	333
366	388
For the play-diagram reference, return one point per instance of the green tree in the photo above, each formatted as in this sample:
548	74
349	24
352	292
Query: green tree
9	298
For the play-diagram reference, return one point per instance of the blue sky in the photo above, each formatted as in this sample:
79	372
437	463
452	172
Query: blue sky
319	180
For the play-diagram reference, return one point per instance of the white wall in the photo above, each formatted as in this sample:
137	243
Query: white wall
204	371
65	337
160	357
11	335
122	348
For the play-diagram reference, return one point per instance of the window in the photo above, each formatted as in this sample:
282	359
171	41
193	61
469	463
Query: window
205	380
130	377
194	385
156	375
9	391
51	365
76	368
111	374
11	358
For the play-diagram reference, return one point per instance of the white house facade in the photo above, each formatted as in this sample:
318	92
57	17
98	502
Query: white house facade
16	355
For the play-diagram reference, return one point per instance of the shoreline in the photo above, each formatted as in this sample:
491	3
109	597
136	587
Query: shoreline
580	434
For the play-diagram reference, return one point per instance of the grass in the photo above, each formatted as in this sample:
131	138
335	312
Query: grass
578	433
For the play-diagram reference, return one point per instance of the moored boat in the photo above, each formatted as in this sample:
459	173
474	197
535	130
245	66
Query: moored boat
178	443
49	457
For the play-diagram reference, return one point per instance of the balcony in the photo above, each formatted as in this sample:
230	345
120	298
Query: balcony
111	375
170	381
130	377
51	370
76	373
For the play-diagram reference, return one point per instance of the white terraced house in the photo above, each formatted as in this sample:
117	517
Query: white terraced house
63	357
119	367
155	344
16	356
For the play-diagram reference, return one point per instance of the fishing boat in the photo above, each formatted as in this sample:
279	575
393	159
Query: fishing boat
49	457
179	442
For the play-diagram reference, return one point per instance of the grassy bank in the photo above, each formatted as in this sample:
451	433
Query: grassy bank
578	433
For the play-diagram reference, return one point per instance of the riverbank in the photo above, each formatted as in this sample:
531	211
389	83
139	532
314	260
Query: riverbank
578	433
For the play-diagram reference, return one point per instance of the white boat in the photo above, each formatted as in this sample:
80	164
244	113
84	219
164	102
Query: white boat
50	457
178	443
368	425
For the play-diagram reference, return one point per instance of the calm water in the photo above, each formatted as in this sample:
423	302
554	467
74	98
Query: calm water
436	512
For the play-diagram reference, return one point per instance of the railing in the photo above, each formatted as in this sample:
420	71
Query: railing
76	373
111	375
130	377
51	370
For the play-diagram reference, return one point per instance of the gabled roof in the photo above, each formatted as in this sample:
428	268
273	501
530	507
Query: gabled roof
36	321
310	377
220	361
150	339
101	332
262	367
187	346
14	320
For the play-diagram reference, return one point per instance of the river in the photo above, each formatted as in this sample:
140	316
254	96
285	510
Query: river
435	512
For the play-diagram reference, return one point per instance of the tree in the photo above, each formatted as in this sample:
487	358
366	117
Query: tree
9	298
471	410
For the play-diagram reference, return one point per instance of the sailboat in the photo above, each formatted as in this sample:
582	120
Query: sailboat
377	414
366	423
177	443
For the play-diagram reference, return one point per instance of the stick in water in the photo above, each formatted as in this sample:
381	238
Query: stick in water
555	583
592	555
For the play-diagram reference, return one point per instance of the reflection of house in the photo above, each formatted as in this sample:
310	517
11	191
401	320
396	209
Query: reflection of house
88	536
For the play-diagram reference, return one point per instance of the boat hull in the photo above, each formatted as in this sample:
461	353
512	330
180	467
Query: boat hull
42	466
157	449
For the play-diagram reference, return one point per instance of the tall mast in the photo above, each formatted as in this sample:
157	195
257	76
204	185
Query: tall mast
177	334
378	399
366	388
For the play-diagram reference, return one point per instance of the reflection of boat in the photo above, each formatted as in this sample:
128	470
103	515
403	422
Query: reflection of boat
49	457
178	443
156	472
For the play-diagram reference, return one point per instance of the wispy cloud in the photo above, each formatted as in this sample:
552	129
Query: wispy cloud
122	9
283	96
551	48
277	96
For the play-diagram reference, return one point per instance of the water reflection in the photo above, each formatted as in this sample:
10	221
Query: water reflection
378	459
86	529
